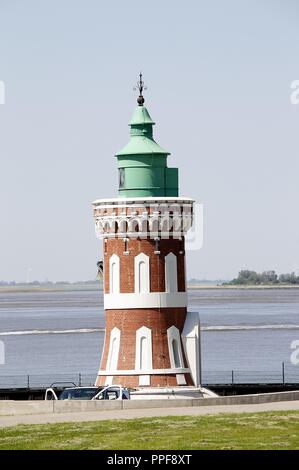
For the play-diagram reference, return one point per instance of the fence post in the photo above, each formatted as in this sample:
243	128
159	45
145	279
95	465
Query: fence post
283	374
199	353
232	377
28	381
80	381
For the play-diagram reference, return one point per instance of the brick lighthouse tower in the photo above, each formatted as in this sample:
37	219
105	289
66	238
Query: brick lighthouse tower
150	340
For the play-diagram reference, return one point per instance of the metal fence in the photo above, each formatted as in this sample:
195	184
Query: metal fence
46	380
285	374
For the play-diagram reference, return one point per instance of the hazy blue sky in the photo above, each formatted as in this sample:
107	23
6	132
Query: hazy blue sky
218	76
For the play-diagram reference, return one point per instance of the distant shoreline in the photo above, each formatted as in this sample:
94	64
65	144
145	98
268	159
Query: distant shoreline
240	287
52	288
98	287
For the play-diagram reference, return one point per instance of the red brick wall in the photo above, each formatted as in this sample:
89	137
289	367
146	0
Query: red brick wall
157	262
128	321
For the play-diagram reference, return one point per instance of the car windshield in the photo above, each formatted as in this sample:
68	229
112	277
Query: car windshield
78	393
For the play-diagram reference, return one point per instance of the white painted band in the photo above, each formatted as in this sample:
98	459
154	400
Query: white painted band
144	235
149	300
120	202
144	372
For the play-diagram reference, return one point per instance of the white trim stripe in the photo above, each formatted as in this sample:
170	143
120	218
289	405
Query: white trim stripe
120	202
144	372
150	300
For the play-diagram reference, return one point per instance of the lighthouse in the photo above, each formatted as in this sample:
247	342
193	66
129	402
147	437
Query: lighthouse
151	340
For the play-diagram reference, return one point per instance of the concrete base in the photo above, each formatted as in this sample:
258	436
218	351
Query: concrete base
36	407
158	393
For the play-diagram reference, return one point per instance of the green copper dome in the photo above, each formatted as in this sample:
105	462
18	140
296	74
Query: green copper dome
142	141
141	116
142	163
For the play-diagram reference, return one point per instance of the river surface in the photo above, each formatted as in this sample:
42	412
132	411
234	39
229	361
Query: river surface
60	334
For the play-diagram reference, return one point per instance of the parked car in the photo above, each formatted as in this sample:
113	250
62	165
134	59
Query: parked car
112	392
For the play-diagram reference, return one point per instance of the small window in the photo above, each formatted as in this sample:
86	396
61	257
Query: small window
112	357
143	354
176	355
142	275
171	276
121	174
113	352
143	359
175	348
114	281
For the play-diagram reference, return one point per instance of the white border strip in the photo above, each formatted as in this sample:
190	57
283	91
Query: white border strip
120	202
144	372
150	300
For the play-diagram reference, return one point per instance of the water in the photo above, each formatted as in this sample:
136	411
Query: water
61	333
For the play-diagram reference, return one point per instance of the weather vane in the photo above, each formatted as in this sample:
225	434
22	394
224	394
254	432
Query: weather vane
140	86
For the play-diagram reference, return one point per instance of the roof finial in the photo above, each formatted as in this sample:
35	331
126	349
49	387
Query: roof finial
140	87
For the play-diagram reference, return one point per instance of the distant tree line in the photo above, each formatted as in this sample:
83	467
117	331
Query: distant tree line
246	277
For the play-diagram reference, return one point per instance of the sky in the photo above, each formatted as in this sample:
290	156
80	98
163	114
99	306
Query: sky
219	80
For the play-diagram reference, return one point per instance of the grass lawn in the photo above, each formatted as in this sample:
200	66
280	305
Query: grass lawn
273	430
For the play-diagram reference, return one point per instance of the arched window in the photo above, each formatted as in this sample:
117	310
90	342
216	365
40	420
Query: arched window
113	349
114	274
176	355
154	226
142	278
143	358
113	353
143	353
123	226
133	225
171	273
143	226
175	348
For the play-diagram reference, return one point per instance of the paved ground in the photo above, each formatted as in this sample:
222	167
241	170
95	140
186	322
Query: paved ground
6	421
